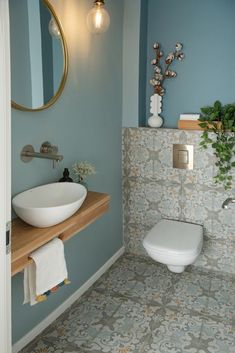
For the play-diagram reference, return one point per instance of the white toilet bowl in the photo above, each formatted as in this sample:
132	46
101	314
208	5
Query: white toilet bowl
175	244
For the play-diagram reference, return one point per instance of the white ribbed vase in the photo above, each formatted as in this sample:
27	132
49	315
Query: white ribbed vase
155	121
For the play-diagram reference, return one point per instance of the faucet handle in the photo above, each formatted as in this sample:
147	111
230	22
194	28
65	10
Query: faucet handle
47	147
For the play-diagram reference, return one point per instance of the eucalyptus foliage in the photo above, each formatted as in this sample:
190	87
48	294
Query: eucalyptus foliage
218	122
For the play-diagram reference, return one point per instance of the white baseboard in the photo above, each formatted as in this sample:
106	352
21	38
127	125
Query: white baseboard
66	304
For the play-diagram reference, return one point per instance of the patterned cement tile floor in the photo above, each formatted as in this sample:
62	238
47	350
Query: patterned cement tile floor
139	306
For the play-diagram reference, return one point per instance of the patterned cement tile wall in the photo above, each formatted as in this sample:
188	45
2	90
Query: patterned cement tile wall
153	189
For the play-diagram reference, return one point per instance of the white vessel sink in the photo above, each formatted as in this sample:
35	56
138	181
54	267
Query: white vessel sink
47	205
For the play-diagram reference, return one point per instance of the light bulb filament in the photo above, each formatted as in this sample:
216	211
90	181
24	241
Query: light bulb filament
98	19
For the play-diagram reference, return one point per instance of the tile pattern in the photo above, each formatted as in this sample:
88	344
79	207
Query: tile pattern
153	189
138	306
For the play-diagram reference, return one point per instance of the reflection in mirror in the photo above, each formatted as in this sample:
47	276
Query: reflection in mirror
38	54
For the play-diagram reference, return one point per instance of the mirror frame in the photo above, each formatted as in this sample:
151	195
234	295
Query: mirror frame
65	68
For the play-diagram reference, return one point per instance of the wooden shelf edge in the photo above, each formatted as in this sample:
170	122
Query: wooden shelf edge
27	239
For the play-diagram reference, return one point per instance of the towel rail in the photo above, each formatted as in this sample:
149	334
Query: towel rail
30	260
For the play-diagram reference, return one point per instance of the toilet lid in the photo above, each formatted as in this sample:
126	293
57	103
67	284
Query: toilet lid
174	236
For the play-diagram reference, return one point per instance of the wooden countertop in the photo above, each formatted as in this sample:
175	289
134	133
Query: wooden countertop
26	238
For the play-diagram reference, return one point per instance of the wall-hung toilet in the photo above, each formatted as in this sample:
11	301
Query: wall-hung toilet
175	244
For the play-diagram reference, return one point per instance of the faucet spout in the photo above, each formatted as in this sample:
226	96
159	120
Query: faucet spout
227	202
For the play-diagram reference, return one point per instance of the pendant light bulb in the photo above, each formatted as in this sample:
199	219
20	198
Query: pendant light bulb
98	19
54	29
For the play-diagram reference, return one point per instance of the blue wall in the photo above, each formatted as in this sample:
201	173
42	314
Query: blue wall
206	28
47	54
131	64
20	53
85	123
142	61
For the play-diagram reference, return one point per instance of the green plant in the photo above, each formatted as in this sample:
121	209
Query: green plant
218	123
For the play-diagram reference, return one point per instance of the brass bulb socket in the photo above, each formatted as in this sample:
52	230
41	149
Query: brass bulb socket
99	2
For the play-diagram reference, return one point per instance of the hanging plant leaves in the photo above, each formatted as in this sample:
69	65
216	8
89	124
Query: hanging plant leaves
219	124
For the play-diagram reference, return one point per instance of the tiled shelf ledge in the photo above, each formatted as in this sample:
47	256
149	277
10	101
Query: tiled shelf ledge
26	239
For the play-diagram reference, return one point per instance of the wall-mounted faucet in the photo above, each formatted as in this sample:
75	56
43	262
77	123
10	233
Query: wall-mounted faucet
227	202
47	151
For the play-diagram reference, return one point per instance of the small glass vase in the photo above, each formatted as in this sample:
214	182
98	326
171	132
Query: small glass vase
82	182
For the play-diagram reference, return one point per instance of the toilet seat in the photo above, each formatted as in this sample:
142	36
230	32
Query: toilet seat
175	244
174	238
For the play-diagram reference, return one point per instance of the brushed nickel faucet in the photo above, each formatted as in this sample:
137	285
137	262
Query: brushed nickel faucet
227	202
47	151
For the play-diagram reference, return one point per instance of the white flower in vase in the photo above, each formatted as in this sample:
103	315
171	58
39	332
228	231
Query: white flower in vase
81	170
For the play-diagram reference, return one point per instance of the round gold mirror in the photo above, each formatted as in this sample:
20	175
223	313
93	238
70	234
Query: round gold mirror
39	55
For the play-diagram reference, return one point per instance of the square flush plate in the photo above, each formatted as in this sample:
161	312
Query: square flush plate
183	156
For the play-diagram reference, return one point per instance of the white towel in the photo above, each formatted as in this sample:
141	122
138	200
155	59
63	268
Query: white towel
46	272
192	116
